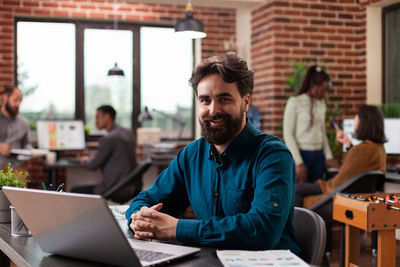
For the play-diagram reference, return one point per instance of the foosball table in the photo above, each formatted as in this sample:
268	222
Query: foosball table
370	212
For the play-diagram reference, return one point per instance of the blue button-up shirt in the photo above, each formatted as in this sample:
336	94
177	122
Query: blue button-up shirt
242	199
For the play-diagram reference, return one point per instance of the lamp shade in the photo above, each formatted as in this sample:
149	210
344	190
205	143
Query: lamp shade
145	116
115	71
189	26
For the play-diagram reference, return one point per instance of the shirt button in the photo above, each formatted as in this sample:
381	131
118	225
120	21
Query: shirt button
216	194
275	205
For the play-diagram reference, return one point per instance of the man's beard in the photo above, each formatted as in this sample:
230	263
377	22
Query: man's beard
221	134
12	111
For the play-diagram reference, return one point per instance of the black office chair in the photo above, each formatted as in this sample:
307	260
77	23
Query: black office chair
127	187
311	235
365	182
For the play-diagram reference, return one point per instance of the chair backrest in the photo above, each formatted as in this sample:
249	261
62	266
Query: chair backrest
127	187
365	182
311	235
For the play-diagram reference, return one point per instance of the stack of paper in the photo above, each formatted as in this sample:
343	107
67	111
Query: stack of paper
29	152
246	258
119	210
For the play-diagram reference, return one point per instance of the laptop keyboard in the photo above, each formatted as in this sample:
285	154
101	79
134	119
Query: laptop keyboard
150	256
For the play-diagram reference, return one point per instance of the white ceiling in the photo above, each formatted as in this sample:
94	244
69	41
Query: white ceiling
209	3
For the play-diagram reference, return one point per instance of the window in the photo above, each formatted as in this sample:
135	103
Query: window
391	54
166	66
103	48
46	69
62	68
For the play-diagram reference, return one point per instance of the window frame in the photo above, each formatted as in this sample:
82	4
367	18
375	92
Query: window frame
80	26
385	10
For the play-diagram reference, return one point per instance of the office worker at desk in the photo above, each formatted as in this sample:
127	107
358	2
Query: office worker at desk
368	156
239	181
14	127
115	154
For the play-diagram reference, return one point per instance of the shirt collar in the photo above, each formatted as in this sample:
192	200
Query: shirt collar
213	154
241	143
11	117
113	127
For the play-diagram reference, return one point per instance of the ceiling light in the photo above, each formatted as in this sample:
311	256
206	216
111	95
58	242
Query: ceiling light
189	26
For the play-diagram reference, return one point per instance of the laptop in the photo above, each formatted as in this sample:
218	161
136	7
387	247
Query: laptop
83	226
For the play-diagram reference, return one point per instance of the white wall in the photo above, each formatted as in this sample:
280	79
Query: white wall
374	51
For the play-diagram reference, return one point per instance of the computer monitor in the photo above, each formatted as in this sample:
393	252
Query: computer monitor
60	135
392	129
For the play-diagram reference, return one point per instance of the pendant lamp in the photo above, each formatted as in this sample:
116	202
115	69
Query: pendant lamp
189	26
115	71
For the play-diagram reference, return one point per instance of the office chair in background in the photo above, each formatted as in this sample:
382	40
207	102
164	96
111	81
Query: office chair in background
311	235
365	182
127	188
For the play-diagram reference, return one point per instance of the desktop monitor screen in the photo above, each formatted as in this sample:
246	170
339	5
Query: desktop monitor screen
60	135
392	129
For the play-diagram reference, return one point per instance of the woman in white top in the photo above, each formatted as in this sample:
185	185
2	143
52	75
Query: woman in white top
304	127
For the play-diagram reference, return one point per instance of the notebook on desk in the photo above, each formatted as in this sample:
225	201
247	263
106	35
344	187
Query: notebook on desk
83	226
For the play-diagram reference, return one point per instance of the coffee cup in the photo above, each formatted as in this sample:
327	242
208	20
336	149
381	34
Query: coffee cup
51	158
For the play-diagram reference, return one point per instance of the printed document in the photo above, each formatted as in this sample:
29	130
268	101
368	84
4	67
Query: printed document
246	258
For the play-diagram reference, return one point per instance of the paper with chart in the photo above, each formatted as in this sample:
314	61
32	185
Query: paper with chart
246	258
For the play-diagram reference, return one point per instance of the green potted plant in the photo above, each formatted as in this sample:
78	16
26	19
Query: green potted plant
9	177
391	110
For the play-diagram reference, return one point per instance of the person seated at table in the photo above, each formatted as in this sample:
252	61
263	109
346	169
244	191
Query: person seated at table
238	180
14	128
368	155
115	154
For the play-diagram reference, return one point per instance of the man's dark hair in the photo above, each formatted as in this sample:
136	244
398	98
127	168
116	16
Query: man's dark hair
230	67
8	90
107	109
371	126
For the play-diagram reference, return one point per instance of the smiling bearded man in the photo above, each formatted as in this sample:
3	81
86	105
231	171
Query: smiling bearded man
238	180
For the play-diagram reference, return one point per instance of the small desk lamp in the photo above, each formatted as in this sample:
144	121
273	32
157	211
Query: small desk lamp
175	119
146	116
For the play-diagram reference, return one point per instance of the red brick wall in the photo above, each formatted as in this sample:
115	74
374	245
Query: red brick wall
219	23
369	2
329	32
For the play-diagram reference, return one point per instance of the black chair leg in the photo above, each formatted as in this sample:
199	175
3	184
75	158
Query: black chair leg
325	261
374	243
342	244
328	246
4	260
